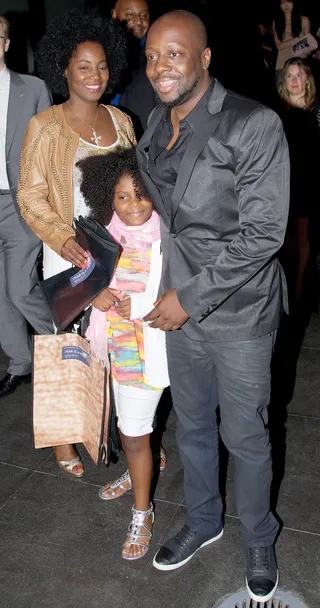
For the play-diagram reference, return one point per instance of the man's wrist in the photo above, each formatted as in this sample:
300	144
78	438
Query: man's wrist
181	299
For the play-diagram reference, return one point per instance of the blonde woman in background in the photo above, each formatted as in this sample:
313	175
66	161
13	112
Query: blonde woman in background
299	110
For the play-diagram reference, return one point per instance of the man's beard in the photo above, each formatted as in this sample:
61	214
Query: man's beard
181	99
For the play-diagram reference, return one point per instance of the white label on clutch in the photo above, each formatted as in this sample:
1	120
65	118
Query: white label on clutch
84	273
75	352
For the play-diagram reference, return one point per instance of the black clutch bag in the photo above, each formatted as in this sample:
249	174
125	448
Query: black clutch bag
71	291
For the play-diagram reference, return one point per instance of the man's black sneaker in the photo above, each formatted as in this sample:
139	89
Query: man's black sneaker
181	548
262	573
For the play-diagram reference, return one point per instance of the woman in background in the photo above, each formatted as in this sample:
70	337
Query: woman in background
297	92
288	26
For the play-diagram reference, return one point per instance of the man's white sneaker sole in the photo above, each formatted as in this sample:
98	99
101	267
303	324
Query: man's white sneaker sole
169	567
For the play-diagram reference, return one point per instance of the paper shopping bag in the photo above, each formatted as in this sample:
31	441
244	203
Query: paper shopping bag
71	399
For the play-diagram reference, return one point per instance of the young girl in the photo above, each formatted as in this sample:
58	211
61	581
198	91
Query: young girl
113	189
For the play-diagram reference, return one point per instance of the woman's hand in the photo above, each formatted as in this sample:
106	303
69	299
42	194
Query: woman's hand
303	54
107	298
72	252
124	307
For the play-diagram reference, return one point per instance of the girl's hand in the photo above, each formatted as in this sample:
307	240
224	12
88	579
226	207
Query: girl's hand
72	252
124	307
107	298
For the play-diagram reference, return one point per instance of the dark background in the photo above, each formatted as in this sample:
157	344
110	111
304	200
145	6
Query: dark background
232	27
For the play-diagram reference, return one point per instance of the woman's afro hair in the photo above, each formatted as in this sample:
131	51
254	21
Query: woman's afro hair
100	176
61	39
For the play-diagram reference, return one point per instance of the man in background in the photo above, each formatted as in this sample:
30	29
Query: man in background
138	97
21	97
136	15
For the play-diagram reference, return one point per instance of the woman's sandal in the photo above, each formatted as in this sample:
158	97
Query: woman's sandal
109	491
163	459
72	468
138	530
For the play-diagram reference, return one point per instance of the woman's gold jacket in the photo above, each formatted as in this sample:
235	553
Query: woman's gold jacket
45	194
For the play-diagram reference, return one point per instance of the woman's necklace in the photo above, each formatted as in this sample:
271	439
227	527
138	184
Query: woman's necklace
95	137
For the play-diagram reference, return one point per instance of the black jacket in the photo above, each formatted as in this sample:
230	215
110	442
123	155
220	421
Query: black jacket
138	98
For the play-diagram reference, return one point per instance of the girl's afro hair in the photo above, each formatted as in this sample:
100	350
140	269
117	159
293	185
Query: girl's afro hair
61	39
100	176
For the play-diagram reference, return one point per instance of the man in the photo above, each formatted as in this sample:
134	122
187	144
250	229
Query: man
138	97
136	15
20	98
216	166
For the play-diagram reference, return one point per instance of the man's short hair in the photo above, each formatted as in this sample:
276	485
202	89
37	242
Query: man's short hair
6	26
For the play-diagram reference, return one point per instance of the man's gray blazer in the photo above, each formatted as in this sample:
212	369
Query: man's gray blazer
228	219
28	95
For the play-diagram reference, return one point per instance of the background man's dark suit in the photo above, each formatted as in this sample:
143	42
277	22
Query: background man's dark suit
138	98
226	221
19	246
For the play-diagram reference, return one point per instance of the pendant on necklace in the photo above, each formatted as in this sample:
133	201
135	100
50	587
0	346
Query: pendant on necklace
96	138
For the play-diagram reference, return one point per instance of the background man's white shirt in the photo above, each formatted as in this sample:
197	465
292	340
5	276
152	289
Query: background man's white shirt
4	99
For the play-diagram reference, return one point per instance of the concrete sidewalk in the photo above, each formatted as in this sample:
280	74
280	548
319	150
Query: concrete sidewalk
60	545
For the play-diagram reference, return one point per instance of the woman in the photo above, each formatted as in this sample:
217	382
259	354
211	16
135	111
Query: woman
288	27
298	89
298	95
80	57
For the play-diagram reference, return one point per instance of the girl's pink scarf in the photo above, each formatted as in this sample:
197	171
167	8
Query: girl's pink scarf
138	237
